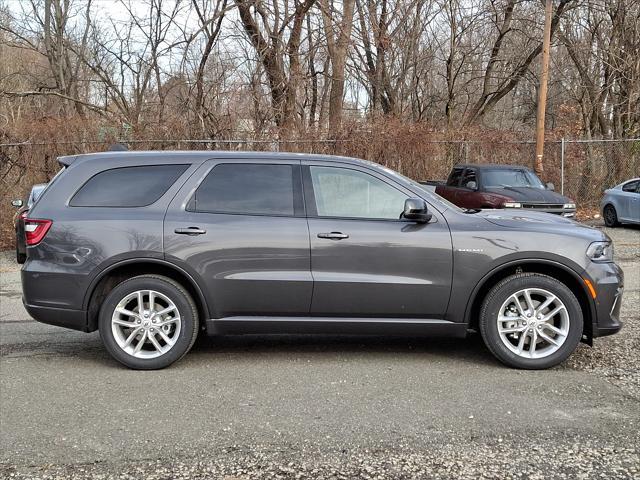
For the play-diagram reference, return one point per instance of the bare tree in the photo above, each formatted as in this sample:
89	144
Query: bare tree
266	30
51	35
338	35
210	16
212	67
497	84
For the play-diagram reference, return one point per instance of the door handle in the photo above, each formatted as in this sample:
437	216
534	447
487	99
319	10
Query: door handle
190	231
333	235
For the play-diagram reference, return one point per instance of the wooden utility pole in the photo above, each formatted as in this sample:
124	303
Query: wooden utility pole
542	93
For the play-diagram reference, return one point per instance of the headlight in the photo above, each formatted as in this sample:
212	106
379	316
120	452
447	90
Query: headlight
569	205
512	205
600	252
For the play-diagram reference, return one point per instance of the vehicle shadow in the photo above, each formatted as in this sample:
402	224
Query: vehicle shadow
467	350
227	349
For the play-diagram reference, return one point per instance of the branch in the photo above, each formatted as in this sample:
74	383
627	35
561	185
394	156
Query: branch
90	106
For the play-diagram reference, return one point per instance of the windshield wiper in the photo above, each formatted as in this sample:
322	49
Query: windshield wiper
471	210
512	187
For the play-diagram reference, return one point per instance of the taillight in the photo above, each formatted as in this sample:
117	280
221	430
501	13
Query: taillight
35	230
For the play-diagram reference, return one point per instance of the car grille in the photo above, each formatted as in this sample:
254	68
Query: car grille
543	206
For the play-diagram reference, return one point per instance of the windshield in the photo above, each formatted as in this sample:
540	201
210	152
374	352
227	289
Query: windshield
510	178
36	191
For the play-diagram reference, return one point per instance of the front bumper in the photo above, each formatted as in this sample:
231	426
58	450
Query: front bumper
608	281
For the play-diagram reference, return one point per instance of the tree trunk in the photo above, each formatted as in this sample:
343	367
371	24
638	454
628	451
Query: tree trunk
337	47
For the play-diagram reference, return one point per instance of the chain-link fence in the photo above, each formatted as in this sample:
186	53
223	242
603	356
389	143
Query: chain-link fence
581	169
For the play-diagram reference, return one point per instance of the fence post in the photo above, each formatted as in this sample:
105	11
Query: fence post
562	166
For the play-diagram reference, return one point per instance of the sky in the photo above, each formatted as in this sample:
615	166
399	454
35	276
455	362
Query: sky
110	8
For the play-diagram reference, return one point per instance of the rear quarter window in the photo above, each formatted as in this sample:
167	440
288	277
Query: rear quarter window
455	176
631	186
127	186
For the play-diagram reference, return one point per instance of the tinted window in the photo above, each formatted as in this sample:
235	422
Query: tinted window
252	189
469	176
340	192
630	187
454	178
127	186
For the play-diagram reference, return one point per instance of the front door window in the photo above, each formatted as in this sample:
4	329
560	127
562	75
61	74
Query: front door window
345	193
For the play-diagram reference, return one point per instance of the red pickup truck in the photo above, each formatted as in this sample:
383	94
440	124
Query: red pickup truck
502	186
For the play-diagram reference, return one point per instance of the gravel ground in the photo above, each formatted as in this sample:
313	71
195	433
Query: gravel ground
8	262
571	458
326	408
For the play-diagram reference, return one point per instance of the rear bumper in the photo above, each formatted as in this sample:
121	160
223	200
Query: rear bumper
60	317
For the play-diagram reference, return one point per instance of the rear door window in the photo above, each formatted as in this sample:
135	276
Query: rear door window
470	180
454	178
127	186
249	189
630	186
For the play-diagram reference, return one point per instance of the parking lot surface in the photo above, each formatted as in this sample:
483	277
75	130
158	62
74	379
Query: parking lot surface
317	406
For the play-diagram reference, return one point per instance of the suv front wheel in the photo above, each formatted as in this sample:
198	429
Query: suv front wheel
148	322
531	321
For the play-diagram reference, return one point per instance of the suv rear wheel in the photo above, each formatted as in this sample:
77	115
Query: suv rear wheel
531	321
610	216
148	322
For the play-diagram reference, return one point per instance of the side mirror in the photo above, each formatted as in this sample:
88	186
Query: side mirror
472	185
416	209
17	203
551	186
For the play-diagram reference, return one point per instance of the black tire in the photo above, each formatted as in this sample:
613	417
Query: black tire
21	257
610	216
509	286
183	302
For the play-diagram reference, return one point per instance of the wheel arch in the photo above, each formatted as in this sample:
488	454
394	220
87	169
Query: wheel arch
113	275
546	267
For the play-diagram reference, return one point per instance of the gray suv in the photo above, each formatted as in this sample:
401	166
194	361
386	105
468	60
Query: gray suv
149	248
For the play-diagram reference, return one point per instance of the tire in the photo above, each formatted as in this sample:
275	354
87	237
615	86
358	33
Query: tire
610	216
174	332
513	346
21	257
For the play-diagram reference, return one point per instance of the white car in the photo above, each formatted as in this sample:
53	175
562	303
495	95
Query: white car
621	204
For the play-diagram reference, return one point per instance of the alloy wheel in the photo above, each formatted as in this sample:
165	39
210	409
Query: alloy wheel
146	324
533	323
